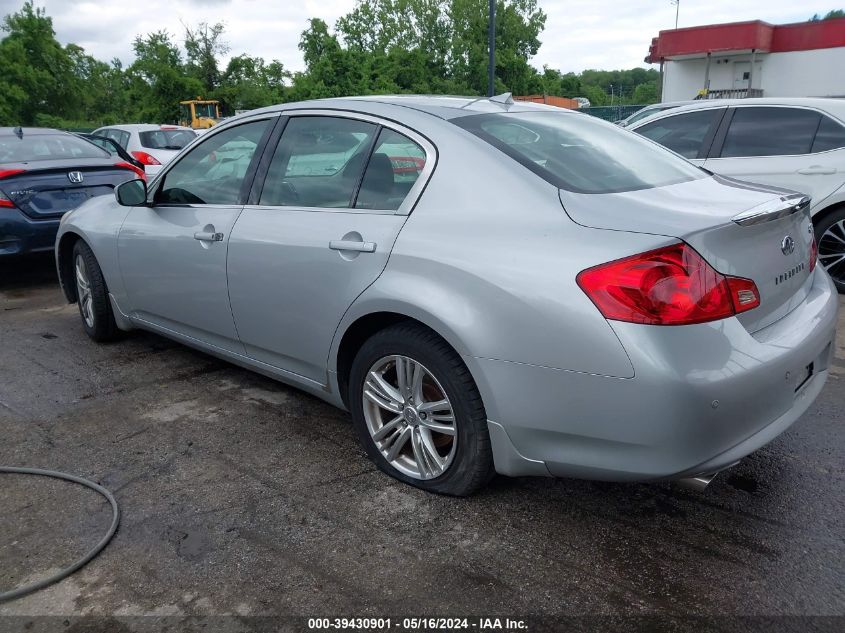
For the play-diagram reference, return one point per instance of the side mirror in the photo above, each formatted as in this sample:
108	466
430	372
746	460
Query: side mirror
132	193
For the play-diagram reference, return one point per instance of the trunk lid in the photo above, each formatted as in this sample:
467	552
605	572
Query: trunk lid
706	214
46	189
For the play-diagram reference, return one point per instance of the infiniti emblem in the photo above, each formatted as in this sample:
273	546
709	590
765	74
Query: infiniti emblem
787	246
74	176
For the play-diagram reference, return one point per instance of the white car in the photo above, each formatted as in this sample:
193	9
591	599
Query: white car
153	145
650	110
797	144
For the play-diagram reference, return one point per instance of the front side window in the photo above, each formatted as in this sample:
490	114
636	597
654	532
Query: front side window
683	133
393	168
579	153
213	172
830	135
757	131
318	162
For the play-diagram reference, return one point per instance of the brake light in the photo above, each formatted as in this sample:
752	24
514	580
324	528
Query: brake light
6	173
145	158
137	170
668	286
5	202
814	253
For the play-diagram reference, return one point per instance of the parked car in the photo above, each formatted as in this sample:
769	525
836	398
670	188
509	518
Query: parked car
487	286
112	147
798	144
153	145
43	174
650	110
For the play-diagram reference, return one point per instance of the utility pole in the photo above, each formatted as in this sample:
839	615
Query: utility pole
677	4
491	47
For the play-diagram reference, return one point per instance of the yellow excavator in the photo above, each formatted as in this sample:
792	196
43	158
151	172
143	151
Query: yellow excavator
199	113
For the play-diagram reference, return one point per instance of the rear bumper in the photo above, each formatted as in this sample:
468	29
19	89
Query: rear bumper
702	397
20	234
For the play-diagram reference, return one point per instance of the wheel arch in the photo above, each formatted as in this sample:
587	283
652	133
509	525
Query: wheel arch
822	213
64	262
363	326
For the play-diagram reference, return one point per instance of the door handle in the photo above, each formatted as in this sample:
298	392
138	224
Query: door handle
349	245
817	169
207	236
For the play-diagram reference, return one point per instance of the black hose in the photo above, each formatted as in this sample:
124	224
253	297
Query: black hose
67	571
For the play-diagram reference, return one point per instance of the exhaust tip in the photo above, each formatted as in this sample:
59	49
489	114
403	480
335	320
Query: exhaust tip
699	482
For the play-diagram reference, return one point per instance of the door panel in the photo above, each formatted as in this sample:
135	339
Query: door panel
289	287
811	174
328	215
175	280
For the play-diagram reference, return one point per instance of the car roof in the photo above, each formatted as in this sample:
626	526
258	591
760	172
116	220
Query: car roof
143	127
30	131
444	107
832	106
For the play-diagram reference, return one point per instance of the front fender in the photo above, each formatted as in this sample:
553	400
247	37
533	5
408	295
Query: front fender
98	223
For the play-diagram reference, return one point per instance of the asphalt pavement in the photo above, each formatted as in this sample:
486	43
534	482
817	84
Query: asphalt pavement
244	497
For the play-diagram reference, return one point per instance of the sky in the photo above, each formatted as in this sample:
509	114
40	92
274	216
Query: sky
579	34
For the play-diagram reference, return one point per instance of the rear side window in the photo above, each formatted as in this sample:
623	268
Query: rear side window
830	135
580	153
213	171
770	132
392	170
35	147
166	139
684	133
318	162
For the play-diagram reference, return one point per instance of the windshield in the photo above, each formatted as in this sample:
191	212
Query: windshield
205	109
166	139
580	153
34	147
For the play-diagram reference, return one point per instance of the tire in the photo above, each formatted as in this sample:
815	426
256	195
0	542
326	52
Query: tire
830	237
94	305
464	461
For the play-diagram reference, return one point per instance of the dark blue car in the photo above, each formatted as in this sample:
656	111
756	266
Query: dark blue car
43	174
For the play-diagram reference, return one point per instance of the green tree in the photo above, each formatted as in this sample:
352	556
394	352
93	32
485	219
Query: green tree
37	71
203	46
248	82
157	79
830	15
645	93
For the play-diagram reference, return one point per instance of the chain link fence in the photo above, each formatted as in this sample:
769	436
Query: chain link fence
612	113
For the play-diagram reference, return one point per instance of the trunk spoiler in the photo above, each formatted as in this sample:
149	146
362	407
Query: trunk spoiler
773	209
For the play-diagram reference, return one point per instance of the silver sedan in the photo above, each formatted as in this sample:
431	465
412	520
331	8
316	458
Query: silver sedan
486	286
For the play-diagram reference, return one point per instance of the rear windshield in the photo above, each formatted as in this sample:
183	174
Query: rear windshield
34	147
579	153
166	139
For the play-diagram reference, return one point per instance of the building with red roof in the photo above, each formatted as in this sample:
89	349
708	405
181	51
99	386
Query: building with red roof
752	59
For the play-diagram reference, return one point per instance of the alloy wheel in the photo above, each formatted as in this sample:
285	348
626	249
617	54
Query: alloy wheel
832	250
83	292
409	417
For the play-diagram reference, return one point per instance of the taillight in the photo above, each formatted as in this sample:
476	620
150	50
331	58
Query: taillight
137	170
814	253
668	286
4	199
6	173
145	158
